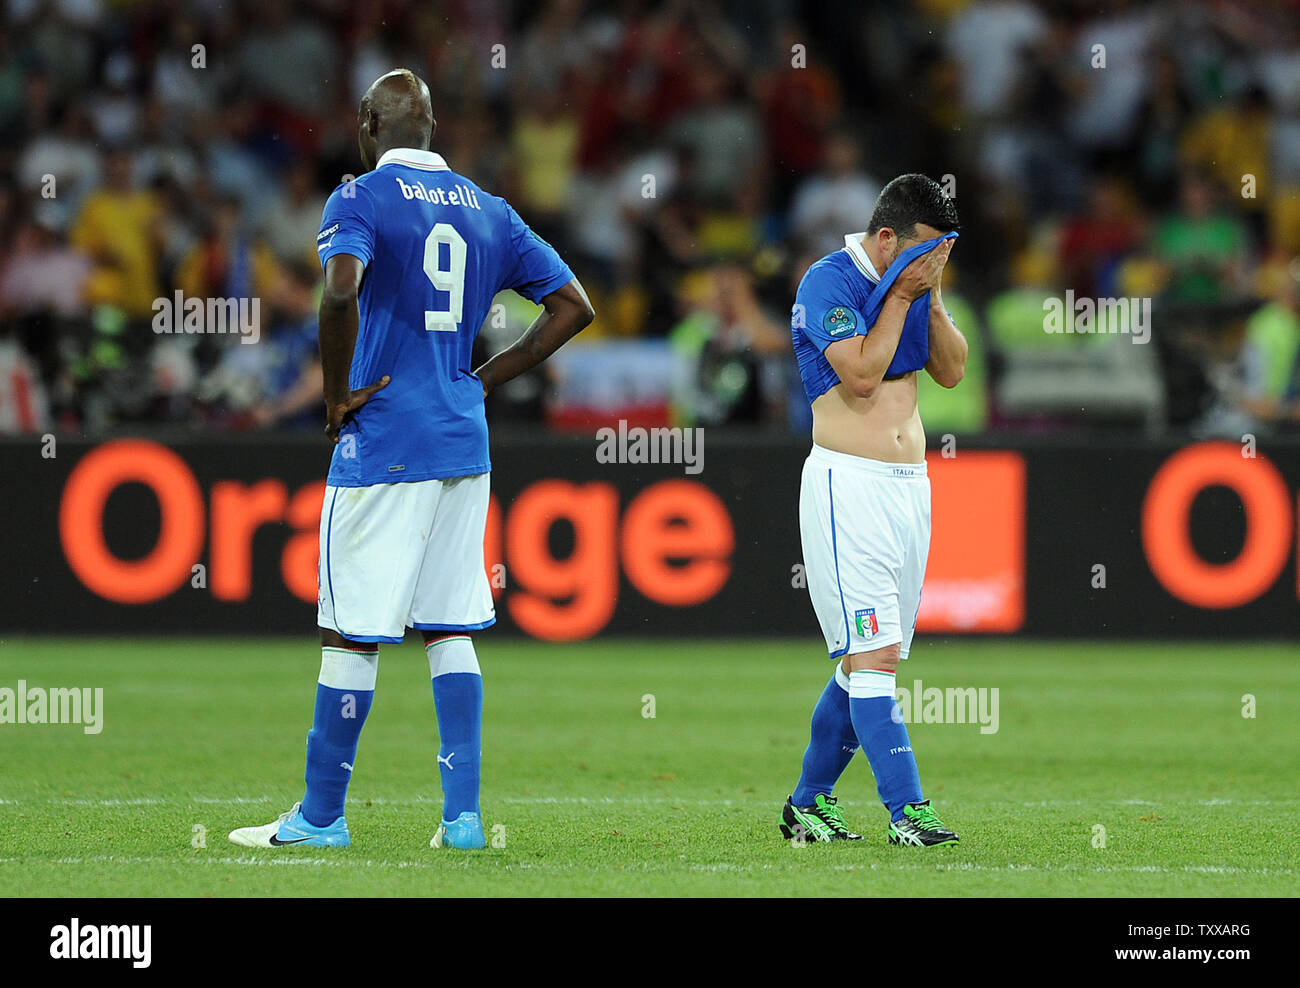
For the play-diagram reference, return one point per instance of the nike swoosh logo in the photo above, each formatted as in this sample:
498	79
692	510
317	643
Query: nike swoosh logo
276	842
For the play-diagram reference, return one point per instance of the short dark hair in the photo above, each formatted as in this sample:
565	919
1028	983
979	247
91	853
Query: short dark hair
912	199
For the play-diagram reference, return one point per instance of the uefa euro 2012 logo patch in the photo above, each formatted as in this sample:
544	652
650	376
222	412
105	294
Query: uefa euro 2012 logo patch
839	321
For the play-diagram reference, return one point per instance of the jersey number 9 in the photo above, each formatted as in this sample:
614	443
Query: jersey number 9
449	279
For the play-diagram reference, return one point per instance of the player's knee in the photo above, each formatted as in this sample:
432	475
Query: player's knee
329	638
441	636
881	658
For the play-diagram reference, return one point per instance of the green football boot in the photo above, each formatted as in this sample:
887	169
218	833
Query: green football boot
822	821
920	827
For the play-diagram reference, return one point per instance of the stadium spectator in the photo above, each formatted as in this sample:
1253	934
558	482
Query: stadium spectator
799	104
835	201
722	133
1162	119
733	352
1112	57
62	165
1093	243
228	262
42	300
1267	374
277	380
289	224
118	228
543	158
290	63
42	275
985	40
1231	143
1201	246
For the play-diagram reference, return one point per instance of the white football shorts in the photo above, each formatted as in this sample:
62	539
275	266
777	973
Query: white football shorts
865	528
394	556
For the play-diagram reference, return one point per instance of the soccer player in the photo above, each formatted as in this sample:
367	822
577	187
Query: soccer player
413	254
867	319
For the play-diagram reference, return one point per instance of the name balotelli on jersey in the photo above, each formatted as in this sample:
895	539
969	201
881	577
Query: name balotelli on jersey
460	195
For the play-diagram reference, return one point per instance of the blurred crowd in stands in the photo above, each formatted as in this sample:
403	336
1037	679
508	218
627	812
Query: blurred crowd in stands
689	159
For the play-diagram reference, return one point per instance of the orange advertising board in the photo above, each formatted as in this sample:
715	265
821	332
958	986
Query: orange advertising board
975	579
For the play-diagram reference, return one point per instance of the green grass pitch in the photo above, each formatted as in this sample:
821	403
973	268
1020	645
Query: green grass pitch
590	797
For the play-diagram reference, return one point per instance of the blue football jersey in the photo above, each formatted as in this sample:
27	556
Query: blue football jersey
437	248
840	296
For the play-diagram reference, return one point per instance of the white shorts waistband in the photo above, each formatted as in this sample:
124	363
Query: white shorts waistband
861	464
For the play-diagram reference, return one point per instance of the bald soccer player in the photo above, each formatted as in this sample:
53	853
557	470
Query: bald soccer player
413	254
867	319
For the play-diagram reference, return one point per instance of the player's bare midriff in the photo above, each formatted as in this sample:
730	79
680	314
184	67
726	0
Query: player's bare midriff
886	426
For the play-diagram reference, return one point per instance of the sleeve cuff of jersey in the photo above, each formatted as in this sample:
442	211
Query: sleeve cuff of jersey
352	249
546	287
826	346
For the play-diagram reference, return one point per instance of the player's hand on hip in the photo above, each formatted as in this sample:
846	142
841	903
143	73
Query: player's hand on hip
338	414
923	274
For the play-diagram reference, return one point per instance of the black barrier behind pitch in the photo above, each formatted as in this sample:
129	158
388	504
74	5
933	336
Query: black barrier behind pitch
143	535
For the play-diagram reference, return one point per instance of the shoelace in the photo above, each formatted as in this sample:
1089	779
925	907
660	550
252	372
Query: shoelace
833	816
926	819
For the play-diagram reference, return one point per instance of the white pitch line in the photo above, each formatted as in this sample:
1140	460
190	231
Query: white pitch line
1160	802
1067	868
371	800
420	800
294	859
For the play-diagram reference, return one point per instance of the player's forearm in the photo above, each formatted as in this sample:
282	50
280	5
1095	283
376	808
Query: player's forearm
566	313
546	335
878	347
337	333
948	347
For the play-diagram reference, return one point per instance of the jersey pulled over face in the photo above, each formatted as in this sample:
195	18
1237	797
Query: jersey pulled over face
841	296
436	249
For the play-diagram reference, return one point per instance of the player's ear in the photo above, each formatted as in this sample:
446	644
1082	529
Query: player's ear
433	129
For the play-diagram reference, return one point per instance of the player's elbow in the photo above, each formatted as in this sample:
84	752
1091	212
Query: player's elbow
862	385
863	390
572	316
571	307
950	377
583	311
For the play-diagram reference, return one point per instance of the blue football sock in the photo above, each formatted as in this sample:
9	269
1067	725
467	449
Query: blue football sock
458	699
883	736
344	692
832	744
